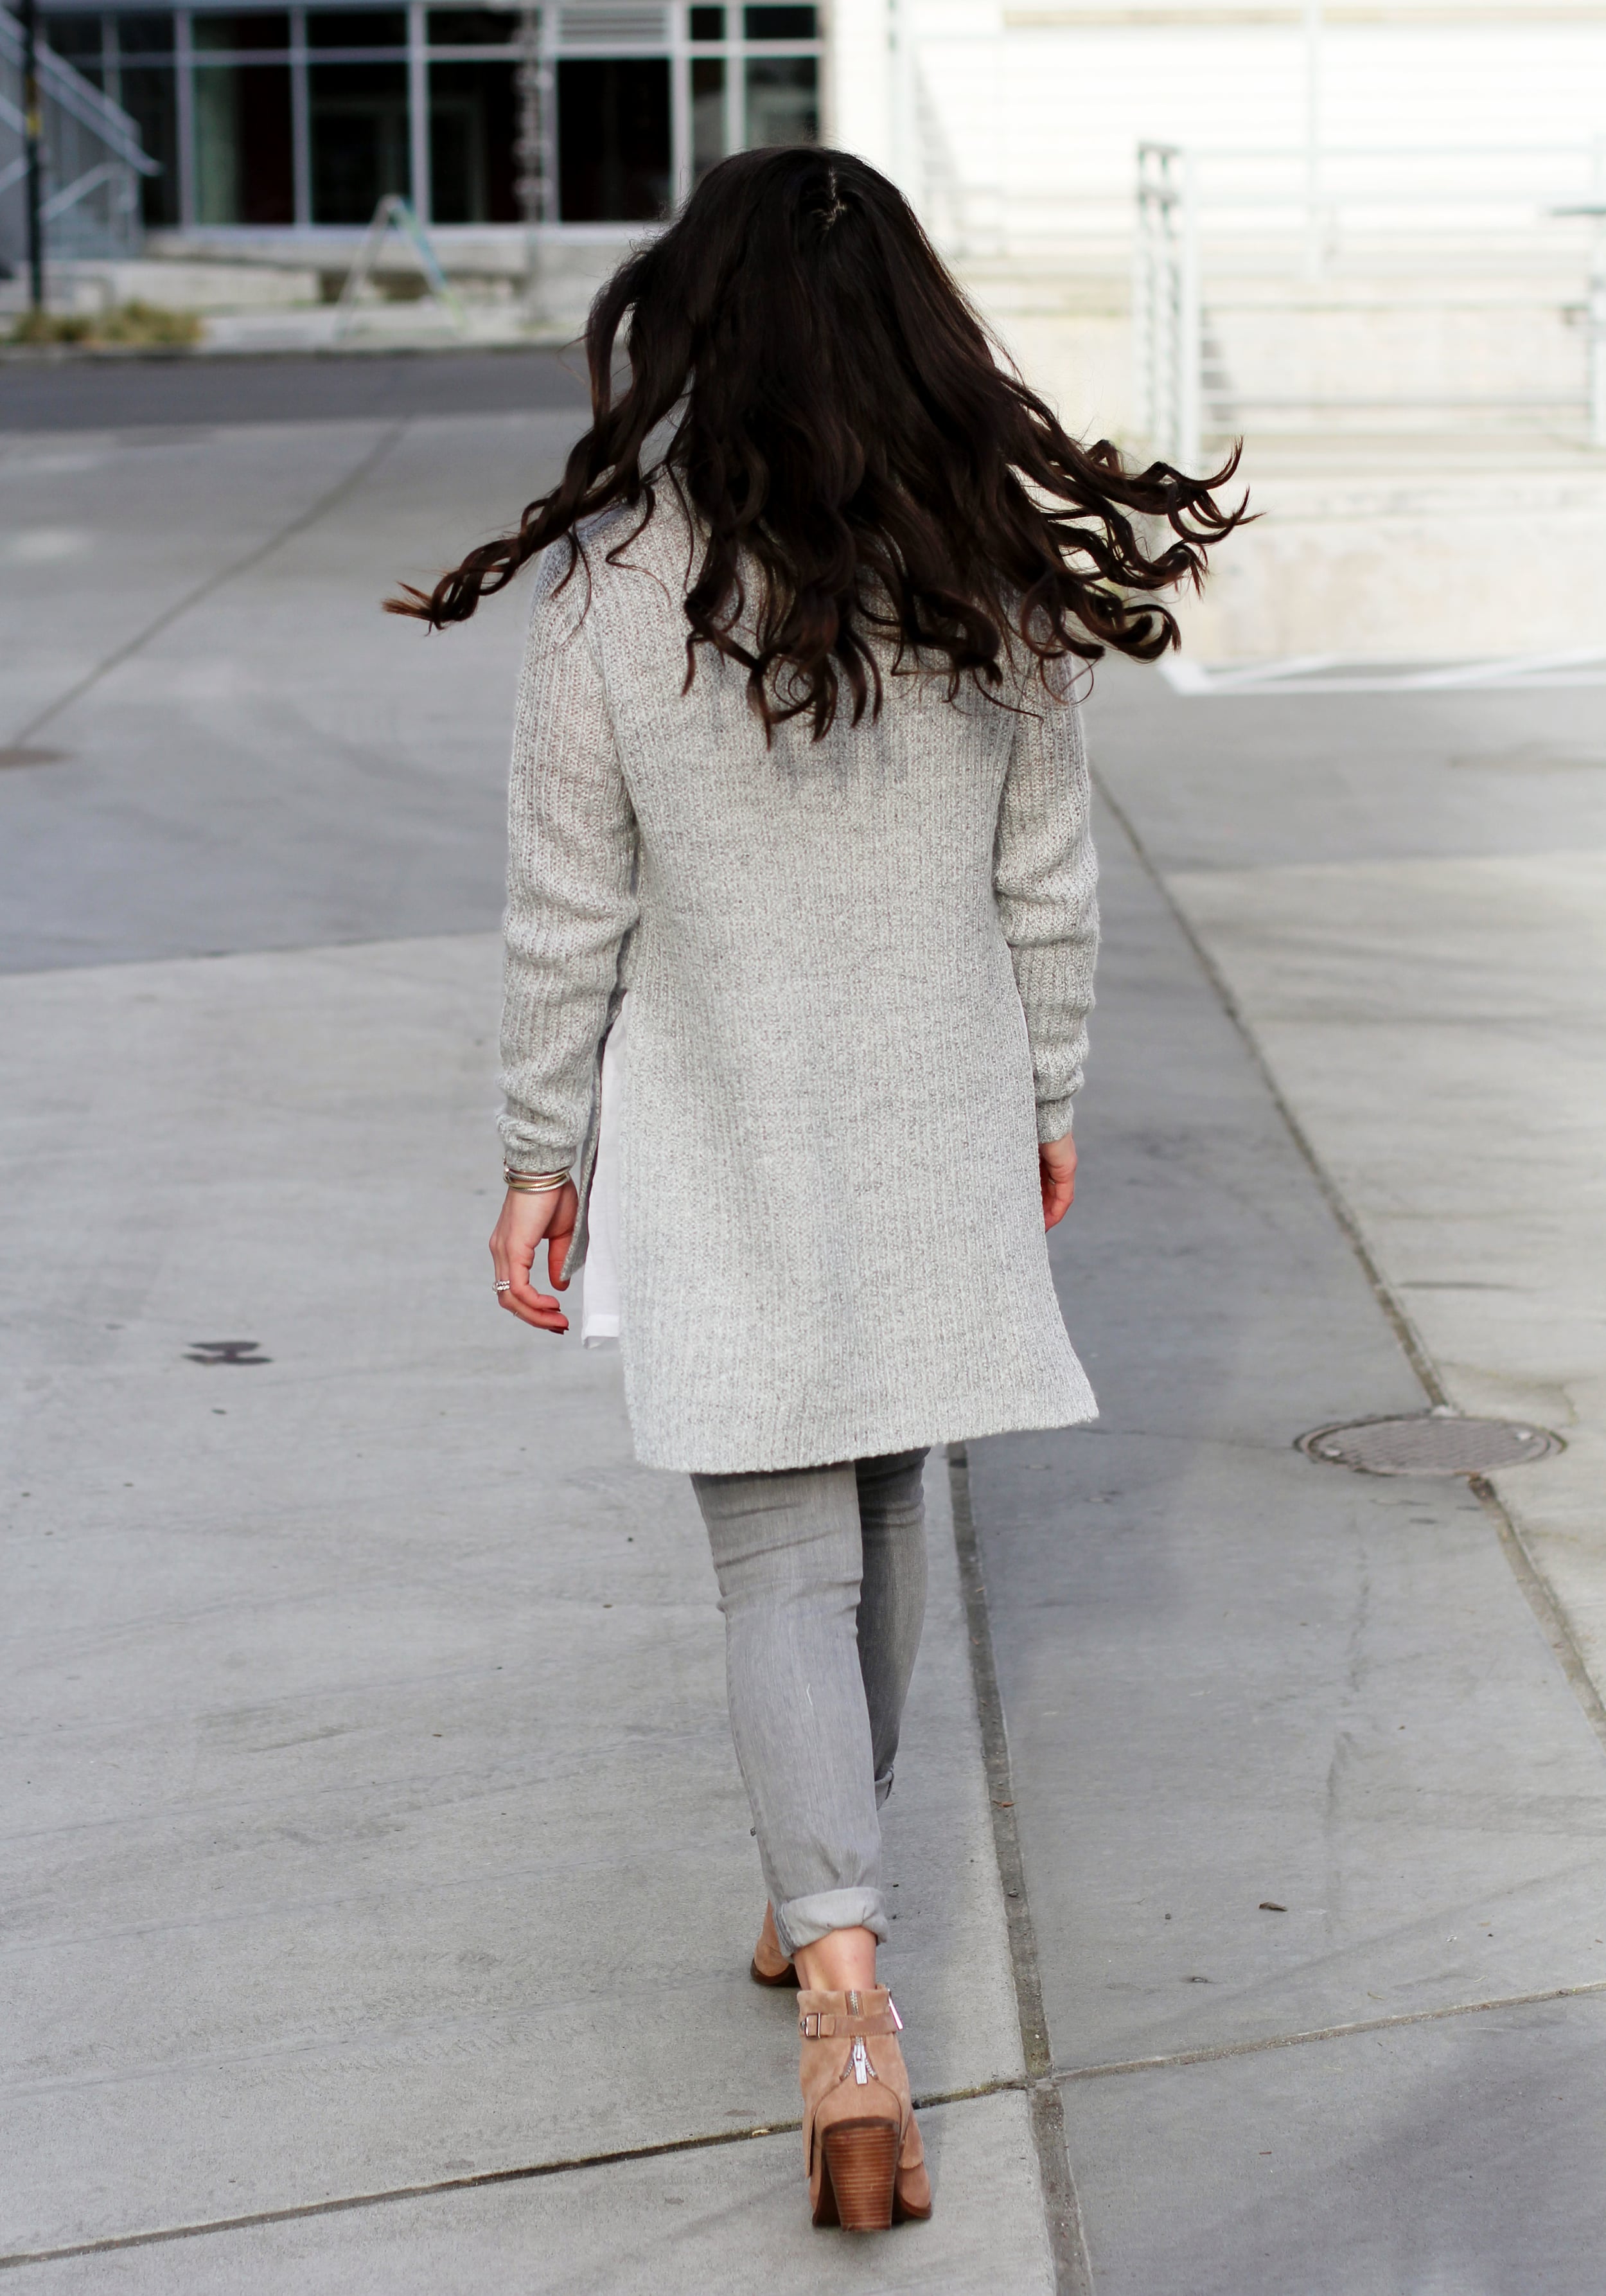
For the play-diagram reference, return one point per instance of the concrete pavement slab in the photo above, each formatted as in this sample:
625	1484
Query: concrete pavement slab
1440	1028
1238	1681
280	764
1308	1716
1268	779
374	1812
717	2221
102	540
1460	2158
1402	893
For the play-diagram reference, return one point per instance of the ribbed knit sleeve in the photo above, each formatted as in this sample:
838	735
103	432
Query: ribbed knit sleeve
570	881
1045	880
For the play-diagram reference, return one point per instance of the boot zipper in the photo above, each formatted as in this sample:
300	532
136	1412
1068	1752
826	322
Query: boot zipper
862	2066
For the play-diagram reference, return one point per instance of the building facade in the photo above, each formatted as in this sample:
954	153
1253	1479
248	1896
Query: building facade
268	119
1012	123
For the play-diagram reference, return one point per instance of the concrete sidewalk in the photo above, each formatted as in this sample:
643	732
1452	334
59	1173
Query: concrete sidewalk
375	1823
371	1821
1315	1822
1310	1765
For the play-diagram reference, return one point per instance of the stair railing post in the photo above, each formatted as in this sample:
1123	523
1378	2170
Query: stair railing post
1143	314
1190	330
1597	299
1597	332
1158	299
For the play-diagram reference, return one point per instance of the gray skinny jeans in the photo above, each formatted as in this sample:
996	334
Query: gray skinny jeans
822	1576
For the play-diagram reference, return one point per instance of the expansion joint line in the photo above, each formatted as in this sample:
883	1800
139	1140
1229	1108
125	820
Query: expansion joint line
1068	2240
326	502
1213	2053
526	2173
1536	1589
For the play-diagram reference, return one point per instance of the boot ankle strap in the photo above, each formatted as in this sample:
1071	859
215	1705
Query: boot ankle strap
827	2025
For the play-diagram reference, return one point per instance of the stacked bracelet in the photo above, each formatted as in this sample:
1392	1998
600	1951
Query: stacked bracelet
533	1184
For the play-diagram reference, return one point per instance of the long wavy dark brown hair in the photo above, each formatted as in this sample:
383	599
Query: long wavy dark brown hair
860	464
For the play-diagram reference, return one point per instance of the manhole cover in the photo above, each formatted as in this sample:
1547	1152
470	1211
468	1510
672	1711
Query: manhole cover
1429	1443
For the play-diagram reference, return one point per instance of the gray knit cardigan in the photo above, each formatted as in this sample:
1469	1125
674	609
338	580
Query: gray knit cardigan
859	975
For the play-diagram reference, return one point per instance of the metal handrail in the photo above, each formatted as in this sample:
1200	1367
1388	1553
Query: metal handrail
78	97
1165	303
1171	206
59	202
88	155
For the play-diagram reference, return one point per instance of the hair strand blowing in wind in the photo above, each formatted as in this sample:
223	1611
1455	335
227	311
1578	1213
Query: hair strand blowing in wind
862	472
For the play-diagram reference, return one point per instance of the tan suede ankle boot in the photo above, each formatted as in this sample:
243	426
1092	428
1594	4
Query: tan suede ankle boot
861	2148
770	1966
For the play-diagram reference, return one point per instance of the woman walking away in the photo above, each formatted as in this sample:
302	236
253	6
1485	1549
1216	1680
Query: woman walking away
797	767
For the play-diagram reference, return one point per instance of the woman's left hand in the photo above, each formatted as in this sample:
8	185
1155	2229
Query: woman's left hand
526	1222
1057	1169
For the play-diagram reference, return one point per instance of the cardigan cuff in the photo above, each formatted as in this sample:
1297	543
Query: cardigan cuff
1053	1119
525	1149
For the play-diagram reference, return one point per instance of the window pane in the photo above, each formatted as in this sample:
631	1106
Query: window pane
708	23
472	27
355	27
77	38
473	117
145	35
359	138
244	172
242	31
779	23
707	114
613	139
783	106
150	95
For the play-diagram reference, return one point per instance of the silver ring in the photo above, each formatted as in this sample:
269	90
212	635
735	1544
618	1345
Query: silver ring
501	1287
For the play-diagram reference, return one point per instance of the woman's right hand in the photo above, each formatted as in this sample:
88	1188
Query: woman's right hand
1057	1169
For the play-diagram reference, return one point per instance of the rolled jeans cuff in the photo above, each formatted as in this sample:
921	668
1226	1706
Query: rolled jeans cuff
805	1921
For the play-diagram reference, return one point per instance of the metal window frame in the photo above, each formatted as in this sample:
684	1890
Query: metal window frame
183	112
420	183
300	119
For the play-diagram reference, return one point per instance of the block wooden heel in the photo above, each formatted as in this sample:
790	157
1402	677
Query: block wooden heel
861	2145
857	2171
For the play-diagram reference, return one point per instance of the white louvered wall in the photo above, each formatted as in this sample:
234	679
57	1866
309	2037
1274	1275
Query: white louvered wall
1015	124
1043	108
1423	385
